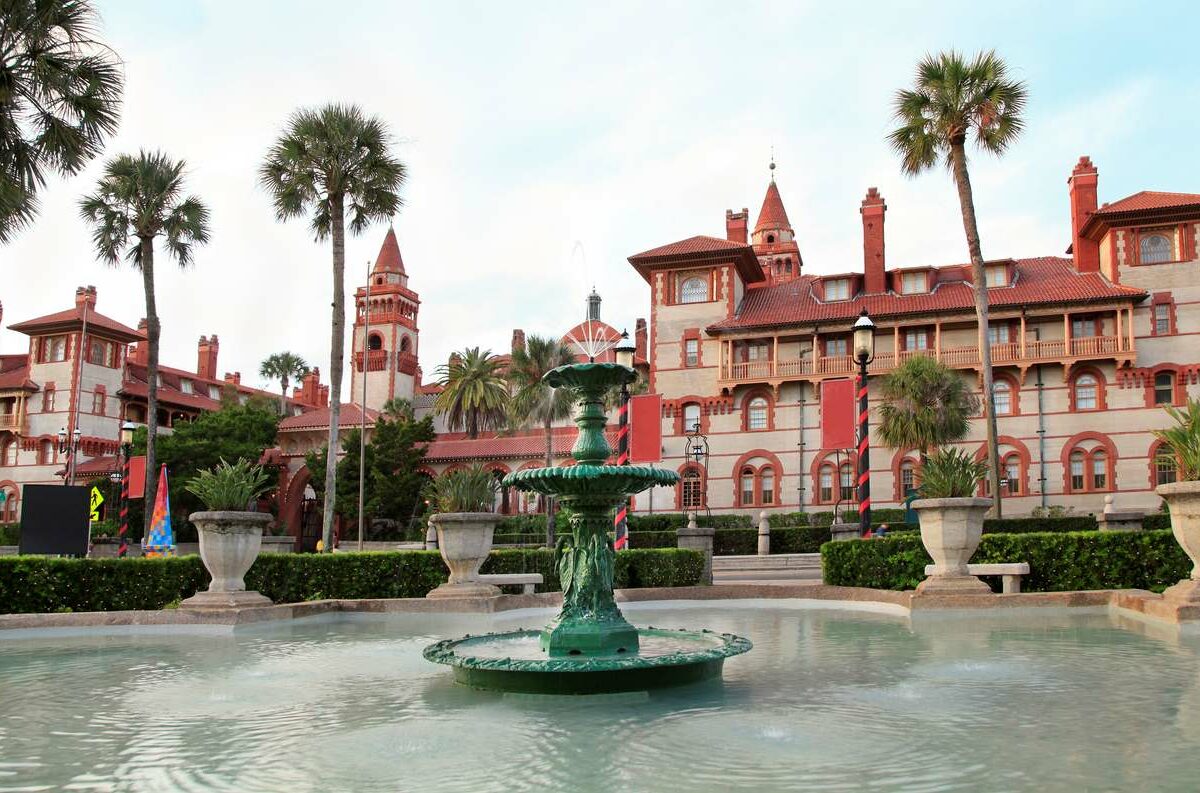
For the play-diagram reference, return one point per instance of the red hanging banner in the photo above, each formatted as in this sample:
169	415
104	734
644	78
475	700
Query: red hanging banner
837	414
645	428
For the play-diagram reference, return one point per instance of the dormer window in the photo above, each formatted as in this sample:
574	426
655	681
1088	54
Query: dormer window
1156	248
214	392
997	275
837	289
54	349
185	386
694	290
914	283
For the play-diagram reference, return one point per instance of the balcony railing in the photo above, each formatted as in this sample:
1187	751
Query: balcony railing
955	357
376	360
9	421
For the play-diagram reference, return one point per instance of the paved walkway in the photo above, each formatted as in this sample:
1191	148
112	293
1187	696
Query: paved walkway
777	569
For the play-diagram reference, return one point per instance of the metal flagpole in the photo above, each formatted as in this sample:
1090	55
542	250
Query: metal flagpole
362	408
81	353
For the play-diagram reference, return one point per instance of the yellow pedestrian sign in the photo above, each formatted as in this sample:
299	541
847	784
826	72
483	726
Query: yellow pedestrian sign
97	500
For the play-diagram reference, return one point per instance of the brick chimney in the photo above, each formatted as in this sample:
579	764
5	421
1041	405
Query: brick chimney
640	336
233	377
1082	188
874	277
206	357
736	224
86	296
310	390
139	353
518	339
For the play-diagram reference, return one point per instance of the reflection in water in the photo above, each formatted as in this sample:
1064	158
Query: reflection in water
826	700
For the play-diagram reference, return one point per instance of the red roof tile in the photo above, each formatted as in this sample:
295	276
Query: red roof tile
14	373
1044	280
169	396
1149	199
389	260
692	245
704	248
772	215
531	446
349	417
72	318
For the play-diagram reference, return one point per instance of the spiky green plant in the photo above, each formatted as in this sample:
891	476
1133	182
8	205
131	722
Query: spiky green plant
474	395
466	490
1184	439
230	486
951	473
925	404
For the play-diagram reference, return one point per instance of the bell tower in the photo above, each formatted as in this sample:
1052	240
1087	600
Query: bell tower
386	317
773	239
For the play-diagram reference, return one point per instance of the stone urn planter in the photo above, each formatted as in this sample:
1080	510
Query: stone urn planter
464	540
950	531
229	544
1183	500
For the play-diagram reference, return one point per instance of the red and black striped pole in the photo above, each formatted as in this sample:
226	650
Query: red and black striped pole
123	531
621	519
864	353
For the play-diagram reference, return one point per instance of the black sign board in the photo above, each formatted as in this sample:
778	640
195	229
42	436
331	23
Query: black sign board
54	520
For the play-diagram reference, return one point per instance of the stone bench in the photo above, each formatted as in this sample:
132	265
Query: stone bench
527	580
1010	573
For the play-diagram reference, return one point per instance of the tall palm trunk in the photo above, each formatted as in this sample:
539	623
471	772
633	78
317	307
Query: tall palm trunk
958	160
283	381
336	355
152	336
550	538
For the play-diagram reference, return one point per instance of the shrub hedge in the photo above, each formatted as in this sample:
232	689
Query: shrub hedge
1039	525
1058	561
41	584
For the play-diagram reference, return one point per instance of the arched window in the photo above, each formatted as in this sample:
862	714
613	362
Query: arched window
1089	464
747	478
766	485
691	417
1156	248
691	489
46	452
1013	481
1002	396
787	266
9	509
825	488
1164	388
908	478
1077	467
375	342
405	345
1166	467
1087	392
1099	470
756	414
770	238
694	290
9	456
846	483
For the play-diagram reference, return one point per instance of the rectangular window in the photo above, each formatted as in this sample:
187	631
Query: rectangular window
997	275
185	386
1162	319
836	347
214	392
1164	389
999	334
691	352
768	487
1099	473
54	349
1077	472
48	399
916	339
1084	328
690	497
1164	468
837	289
914	283
757	352
98	400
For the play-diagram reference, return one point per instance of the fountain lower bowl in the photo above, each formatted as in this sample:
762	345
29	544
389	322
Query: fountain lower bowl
515	662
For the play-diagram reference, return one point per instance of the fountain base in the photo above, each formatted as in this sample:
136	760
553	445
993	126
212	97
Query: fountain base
515	662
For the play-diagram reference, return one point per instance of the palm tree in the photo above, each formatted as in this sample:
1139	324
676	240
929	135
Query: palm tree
536	402
334	161
474	396
60	96
925	404
138	199
954	99
283	366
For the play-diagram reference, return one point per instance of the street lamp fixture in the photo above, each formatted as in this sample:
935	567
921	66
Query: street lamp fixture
864	353
63	446
127	429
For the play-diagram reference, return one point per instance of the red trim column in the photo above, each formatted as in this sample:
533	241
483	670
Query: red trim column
123	531
864	454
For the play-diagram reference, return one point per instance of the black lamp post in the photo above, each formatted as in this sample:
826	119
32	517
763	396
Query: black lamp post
127	429
624	355
69	449
864	353
697	453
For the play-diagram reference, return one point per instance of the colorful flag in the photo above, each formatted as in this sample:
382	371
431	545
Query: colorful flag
161	540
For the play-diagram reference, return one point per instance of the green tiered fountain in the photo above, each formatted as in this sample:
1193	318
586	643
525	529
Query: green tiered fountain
589	647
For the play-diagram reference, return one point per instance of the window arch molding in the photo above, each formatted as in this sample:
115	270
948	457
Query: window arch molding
1160	449
770	463
907	455
1095	442
1014	395
694	289
831	459
10	509
1078	390
691	475
1011	449
1179	383
751	415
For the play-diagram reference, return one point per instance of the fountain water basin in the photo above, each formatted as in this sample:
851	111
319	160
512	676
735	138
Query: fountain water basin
589	647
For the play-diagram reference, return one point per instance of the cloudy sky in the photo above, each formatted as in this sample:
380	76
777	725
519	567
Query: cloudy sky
546	142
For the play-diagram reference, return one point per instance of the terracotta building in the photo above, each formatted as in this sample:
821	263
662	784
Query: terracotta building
1085	347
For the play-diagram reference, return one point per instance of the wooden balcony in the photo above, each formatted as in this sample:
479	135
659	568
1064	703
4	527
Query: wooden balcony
1023	356
10	421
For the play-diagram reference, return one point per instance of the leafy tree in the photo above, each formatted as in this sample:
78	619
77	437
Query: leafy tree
235	431
474	395
60	97
535	402
331	162
138	199
283	366
953	99
925	404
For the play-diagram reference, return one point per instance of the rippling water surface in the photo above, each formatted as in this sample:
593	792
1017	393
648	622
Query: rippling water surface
826	701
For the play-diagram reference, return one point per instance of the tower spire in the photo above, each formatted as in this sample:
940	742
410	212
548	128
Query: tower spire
771	167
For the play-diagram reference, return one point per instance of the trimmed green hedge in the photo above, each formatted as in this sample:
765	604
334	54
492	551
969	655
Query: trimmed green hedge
1039	525
1058	561
41	584
1157	522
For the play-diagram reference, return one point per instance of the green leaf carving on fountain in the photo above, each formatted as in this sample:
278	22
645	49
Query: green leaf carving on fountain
590	623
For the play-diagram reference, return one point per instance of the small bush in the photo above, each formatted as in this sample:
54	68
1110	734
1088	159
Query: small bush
1057	561
10	533
1157	522
1039	525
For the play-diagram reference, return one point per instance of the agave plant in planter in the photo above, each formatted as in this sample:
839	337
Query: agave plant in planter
1183	495
230	532
951	519
465	525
